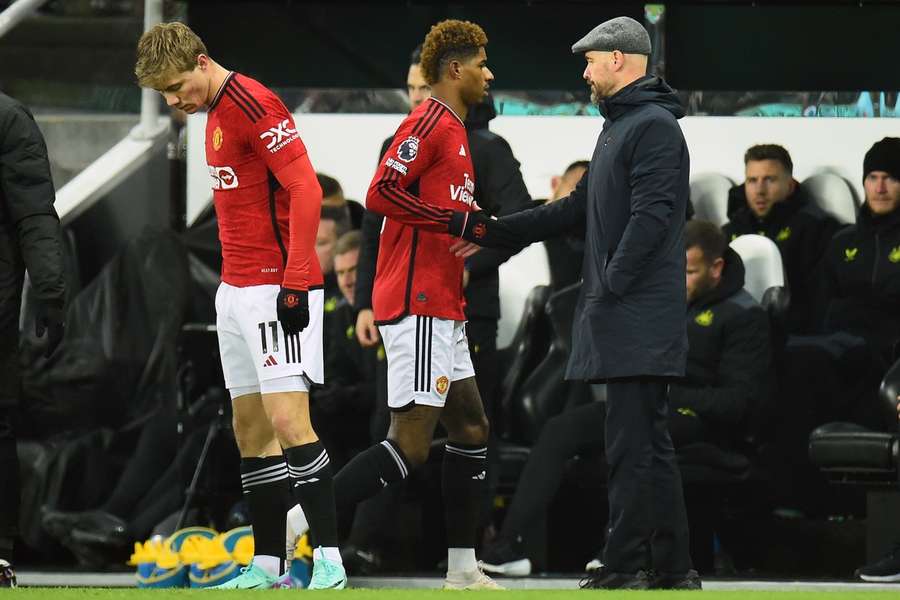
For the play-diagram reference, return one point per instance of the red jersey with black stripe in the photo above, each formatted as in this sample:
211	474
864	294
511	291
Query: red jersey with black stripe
250	136
425	175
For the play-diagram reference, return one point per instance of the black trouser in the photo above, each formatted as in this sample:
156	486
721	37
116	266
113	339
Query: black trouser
574	432
647	520
10	300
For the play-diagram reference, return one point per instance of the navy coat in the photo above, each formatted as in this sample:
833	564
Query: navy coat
630	316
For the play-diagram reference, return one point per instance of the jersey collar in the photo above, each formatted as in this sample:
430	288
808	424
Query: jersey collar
221	91
452	112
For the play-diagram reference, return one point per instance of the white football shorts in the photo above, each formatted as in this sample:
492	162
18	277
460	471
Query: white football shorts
425	355
252	343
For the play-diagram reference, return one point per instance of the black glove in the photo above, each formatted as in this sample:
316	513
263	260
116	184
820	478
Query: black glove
50	318
483	230
293	310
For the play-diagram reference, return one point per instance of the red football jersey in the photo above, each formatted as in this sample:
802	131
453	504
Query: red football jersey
250	135
425	175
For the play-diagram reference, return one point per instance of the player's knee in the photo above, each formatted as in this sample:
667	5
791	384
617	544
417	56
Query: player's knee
473	432
287	426
415	451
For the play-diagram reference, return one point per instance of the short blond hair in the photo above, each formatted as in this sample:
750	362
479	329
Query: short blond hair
449	40
165	50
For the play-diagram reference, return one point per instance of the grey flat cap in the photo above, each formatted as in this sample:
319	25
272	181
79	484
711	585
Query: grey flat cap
622	33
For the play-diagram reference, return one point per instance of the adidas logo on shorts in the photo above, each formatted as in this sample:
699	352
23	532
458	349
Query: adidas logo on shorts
270	362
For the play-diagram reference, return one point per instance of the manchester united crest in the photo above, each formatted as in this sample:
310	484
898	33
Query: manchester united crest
217	138
442	384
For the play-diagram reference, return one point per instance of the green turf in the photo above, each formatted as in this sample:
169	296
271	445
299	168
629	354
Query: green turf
407	594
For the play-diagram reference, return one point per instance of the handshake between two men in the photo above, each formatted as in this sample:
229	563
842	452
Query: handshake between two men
477	229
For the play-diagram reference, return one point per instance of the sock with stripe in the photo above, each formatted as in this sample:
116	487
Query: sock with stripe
265	484
463	480
369	472
313	487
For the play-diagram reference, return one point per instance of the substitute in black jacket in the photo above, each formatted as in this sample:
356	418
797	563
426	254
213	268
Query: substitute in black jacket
629	327
775	205
730	357
862	265
29	239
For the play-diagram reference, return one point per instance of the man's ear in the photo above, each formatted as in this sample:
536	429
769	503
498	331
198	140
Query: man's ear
717	267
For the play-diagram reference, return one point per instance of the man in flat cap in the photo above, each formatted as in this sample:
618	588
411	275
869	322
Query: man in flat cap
629	329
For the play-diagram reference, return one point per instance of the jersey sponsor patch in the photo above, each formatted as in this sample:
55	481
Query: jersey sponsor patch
279	136
223	178
397	166
408	149
464	193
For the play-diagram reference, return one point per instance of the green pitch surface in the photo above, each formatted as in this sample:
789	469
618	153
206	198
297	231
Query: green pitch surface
426	594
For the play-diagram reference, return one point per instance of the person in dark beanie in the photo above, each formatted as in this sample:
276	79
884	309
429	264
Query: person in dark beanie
862	264
30	238
835	375
775	205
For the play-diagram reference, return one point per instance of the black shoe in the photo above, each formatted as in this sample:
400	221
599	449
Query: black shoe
360	561
884	570
503	557
7	575
94	527
677	581
605	579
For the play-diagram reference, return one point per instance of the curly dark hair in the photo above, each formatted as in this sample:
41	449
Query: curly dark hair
449	40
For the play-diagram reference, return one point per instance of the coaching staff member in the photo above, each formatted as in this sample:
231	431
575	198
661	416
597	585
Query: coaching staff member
629	325
30	239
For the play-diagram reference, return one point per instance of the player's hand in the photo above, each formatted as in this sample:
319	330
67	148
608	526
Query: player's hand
366	330
50	319
293	310
464	249
482	229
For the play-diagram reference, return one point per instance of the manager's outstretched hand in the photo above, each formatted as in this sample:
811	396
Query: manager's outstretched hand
483	230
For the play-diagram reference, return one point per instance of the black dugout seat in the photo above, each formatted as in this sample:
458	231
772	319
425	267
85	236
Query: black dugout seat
850	454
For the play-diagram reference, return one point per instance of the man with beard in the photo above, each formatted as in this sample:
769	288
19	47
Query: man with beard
629	328
772	203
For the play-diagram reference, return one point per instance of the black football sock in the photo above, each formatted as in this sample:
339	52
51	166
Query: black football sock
313	487
464	478
369	472
265	483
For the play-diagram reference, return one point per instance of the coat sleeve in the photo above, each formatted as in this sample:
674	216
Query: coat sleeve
28	188
654	181
503	192
368	259
551	219
742	373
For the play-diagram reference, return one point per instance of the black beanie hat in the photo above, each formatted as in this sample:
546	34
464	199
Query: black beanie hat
883	156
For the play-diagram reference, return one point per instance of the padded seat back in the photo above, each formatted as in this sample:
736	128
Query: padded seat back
849	453
527	348
762	263
834	195
709	195
518	276
544	393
